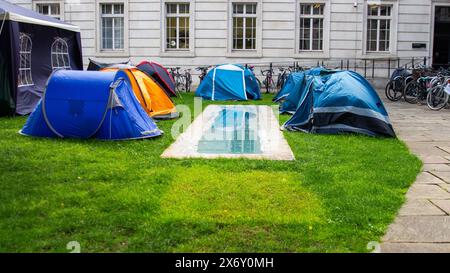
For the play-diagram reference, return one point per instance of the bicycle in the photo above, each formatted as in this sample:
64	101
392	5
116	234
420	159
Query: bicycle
268	80
188	77
438	96
203	72
423	80
395	86
181	84
282	76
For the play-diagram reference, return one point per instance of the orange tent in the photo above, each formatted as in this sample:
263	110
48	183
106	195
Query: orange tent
150	94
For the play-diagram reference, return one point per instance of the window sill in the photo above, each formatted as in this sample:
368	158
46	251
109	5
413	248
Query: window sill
244	54
312	54
378	55
113	53
178	53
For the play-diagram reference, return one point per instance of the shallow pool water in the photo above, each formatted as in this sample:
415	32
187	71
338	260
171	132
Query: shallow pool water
233	131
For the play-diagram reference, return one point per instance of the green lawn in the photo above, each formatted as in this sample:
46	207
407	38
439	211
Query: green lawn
340	193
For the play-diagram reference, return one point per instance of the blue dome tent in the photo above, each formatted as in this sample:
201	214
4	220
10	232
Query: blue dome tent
295	82
229	82
90	104
290	104
340	102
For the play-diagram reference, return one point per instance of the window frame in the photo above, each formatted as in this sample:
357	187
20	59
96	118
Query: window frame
164	51
60	54
50	2
244	15
177	15
28	71
326	28
100	52
113	16
393	29
311	16
245	53
378	17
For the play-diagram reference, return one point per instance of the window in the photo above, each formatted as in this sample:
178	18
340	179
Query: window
49	9
378	28
112	26
311	27
244	26
25	46
177	24
60	54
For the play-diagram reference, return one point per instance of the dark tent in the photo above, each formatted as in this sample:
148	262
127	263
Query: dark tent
32	46
97	66
160	75
340	102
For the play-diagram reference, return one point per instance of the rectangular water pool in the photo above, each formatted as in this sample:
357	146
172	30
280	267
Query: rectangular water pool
233	131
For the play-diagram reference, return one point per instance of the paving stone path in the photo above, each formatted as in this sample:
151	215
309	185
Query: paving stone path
423	223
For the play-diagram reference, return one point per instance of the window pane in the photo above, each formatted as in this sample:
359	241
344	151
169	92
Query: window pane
118	9
238	8
107	33
315	45
372	10
250	32
385	10
305	9
184	8
106	9
55	9
318	9
171	8
118	33
239	44
251	8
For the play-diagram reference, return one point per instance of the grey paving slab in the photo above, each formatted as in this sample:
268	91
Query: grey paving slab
428	178
421	191
415	248
433	159
445	148
445	176
419	207
436	167
425	149
419	229
444	205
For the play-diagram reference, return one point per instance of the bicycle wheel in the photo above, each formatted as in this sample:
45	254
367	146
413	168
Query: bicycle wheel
392	91
181	85
437	98
188	82
411	92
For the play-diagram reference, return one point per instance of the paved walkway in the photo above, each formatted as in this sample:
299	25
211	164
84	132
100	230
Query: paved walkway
423	223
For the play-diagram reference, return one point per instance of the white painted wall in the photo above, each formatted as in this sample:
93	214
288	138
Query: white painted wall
344	33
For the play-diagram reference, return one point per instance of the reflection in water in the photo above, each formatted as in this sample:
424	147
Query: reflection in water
234	131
